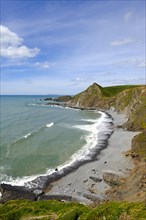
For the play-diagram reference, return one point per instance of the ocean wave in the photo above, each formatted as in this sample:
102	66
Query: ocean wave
96	132
96	140
50	125
21	181
37	104
26	136
21	139
54	105
90	120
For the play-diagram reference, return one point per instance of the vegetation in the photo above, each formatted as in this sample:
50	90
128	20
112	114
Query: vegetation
136	106
129	99
108	91
51	210
114	90
139	145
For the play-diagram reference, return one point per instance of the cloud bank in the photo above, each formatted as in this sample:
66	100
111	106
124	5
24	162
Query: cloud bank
12	45
122	42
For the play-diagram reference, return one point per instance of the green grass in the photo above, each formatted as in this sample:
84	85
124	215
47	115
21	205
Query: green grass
114	90
108	91
139	145
138	114
22	210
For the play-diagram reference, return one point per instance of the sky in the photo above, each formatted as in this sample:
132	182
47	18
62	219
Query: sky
62	47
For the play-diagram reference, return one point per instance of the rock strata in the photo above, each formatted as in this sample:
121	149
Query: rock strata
95	179
112	178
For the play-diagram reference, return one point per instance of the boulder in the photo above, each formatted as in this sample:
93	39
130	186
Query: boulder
48	99
10	192
112	178
95	179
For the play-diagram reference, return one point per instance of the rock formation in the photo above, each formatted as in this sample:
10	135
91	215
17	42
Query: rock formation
130	100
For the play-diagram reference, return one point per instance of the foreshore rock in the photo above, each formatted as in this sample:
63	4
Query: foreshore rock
10	192
64	98
112	178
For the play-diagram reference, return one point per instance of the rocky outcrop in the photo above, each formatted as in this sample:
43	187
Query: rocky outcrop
112	178
130	101
65	98
133	188
10	192
89	98
48	99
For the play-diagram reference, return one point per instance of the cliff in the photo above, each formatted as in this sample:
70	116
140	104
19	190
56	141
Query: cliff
130	100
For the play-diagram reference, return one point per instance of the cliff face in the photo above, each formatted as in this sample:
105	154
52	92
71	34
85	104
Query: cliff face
133	103
87	98
129	100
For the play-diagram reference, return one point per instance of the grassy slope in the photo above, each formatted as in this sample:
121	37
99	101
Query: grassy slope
139	145
23	210
114	90
108	91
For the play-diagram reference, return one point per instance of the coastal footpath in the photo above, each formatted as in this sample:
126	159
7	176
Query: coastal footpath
117	174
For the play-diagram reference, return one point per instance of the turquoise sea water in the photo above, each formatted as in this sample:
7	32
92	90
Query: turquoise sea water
35	138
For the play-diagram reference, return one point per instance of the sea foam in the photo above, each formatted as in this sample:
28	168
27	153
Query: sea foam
27	135
50	125
96	135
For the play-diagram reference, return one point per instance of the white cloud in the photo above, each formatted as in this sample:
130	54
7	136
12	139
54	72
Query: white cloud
122	42
129	81
44	65
12	47
78	81
137	62
128	16
141	64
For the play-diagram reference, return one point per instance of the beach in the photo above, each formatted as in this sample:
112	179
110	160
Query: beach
86	184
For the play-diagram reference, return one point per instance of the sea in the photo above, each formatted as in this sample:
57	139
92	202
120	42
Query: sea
37	139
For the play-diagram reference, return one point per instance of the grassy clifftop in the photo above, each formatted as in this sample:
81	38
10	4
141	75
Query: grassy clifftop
51	210
97	96
114	90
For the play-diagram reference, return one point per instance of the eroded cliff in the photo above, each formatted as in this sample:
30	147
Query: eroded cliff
130	100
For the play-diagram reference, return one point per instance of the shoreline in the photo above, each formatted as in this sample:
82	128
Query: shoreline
86	183
70	166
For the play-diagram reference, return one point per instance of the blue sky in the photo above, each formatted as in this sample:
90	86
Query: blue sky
62	47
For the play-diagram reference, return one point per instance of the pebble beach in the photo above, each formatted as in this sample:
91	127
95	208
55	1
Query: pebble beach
87	181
